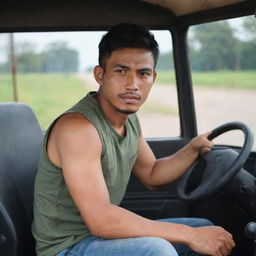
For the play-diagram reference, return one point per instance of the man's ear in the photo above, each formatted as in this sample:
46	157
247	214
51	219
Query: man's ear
98	74
154	76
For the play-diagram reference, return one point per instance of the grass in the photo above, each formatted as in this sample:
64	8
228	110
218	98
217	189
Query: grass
48	94
225	79
165	77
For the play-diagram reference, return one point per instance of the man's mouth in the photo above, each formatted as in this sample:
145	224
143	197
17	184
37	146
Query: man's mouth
130	96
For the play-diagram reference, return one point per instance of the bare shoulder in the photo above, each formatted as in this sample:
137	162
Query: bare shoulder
74	125
72	134
72	121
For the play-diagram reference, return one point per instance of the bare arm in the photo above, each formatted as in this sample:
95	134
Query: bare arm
79	154
154	173
78	149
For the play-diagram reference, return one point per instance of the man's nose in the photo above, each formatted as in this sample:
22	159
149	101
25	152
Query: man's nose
132	82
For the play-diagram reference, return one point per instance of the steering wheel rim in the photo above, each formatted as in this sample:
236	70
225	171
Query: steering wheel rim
215	183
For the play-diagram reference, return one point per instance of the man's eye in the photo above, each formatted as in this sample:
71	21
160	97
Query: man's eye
119	71
145	73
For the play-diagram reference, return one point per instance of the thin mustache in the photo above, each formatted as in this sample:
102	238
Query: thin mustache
133	94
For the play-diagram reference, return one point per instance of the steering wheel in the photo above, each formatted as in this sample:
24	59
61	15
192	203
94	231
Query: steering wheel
215	169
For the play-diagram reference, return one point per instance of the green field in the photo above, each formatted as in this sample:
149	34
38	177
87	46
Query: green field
51	94
228	79
48	94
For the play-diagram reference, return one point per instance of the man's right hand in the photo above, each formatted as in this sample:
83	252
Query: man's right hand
211	240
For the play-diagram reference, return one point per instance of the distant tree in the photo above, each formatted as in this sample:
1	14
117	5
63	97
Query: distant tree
216	47
165	61
58	57
3	51
248	45
4	67
248	55
27	59
249	25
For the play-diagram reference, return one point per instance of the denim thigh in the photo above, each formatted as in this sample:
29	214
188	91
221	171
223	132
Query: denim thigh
140	246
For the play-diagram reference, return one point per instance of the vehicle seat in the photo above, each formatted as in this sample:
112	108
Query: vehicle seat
20	144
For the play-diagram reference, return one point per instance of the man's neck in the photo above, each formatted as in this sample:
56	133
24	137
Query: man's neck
116	118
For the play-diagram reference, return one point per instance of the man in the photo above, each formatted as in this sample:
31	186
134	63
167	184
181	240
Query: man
89	153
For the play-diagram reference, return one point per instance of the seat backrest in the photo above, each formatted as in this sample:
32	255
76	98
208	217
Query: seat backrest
20	145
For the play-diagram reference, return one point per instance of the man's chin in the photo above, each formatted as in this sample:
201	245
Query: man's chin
126	111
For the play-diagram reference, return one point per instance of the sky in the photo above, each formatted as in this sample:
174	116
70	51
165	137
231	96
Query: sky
85	42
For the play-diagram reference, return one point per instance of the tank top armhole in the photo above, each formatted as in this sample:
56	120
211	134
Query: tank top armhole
137	125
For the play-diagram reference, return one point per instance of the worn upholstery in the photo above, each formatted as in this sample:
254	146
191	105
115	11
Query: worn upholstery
20	144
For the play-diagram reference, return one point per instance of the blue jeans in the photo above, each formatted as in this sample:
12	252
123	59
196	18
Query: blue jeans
139	246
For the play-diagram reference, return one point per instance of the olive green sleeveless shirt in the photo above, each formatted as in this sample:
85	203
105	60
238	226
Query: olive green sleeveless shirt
57	223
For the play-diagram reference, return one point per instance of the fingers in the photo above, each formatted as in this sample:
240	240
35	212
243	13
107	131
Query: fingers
201	144
212	240
207	134
226	242
204	150
218	254
223	250
206	144
227	247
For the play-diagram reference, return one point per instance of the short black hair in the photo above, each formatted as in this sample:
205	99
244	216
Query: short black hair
127	35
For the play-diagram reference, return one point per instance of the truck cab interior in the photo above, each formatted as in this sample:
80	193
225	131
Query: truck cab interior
220	186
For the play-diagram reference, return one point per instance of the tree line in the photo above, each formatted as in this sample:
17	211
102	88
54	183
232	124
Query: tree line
213	46
56	57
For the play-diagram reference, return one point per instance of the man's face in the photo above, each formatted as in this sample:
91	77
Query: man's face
125	80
